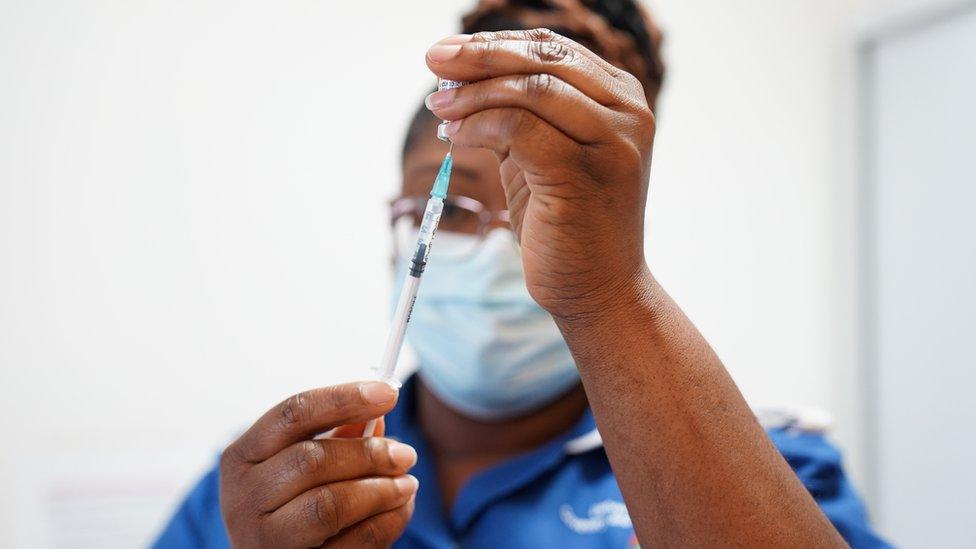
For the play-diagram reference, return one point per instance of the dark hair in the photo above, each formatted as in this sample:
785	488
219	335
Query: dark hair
623	34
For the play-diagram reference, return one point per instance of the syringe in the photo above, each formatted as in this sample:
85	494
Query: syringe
418	261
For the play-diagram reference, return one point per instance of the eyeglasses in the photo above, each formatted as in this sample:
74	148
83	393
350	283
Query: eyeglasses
462	215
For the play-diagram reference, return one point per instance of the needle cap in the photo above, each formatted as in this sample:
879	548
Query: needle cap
443	178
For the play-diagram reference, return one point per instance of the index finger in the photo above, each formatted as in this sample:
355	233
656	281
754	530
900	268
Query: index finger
547	35
489	55
307	414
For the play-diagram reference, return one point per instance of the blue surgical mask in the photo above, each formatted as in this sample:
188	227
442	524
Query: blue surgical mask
484	346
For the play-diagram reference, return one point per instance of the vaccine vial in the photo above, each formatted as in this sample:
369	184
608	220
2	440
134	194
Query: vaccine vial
442	85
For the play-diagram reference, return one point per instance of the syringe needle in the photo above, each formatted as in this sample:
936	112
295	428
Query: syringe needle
418	261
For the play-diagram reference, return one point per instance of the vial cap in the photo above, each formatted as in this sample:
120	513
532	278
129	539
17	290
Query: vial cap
441	129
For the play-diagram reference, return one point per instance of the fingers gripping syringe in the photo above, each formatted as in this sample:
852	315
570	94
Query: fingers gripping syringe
418	261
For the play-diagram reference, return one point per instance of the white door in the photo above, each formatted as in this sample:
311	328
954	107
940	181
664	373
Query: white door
920	209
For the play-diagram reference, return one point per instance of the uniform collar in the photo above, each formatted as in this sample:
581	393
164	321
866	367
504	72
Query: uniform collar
433	523
590	440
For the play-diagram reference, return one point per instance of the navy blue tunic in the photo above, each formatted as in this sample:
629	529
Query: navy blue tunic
562	494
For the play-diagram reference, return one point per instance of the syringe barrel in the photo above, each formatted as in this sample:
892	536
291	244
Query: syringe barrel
411	284
386	369
428	227
408	295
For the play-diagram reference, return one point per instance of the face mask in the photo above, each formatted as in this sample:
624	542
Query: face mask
484	346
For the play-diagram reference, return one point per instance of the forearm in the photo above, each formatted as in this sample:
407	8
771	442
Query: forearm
694	465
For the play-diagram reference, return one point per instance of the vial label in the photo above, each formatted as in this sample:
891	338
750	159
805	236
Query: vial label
449	84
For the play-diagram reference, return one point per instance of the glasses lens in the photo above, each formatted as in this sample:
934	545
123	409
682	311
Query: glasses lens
458	218
447	246
459	233
404	236
453	246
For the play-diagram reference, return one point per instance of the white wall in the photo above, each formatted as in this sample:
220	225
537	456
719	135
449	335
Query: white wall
176	178
740	196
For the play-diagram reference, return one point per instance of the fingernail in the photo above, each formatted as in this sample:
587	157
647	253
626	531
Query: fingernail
407	484
440	99
455	39
378	392
453	127
443	52
402	455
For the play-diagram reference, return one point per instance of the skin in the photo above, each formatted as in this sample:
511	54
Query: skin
563	140
573	136
279	487
462	447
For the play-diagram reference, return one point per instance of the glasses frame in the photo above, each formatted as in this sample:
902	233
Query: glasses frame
415	205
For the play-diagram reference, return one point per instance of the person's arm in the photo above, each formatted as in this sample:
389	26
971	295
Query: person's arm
694	465
574	135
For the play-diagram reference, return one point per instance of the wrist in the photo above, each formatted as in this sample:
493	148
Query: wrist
615	300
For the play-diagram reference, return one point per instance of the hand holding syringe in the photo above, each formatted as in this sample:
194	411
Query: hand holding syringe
418	262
